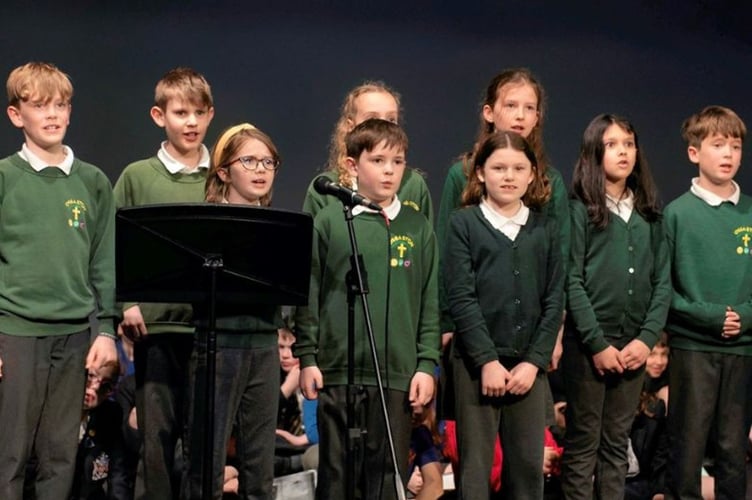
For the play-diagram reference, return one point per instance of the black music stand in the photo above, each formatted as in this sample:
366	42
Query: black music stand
209	253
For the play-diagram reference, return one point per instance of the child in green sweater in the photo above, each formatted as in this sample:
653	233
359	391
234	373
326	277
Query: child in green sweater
618	293
516	101
57	268
163	333
709	232
244	163
371	99
400	255
503	273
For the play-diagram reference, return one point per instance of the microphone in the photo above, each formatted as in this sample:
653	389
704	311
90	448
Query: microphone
323	185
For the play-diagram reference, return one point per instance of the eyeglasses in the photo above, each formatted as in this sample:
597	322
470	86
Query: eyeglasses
252	163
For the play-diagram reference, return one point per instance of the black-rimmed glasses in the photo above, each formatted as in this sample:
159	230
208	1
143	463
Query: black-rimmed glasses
252	163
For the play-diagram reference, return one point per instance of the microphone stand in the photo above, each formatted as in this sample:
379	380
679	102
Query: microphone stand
357	286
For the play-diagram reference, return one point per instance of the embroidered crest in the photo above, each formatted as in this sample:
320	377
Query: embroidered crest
100	467
744	237
411	204
401	249
76	213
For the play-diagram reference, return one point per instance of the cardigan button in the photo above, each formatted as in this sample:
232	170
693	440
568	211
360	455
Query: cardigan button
631	270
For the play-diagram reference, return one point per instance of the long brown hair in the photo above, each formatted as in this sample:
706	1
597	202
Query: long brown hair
513	76
538	192
589	179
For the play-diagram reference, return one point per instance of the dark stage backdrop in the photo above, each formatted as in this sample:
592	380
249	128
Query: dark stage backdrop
285	66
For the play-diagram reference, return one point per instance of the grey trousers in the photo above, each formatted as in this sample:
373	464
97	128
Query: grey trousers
41	396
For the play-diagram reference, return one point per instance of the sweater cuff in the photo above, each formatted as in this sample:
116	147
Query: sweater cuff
597	345
648	338
307	360
426	366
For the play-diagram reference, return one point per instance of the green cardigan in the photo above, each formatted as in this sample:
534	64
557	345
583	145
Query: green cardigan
505	296
451	198
618	285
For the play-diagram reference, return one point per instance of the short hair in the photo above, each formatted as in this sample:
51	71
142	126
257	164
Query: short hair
37	79
372	132
538	192
224	151
183	83
337	149
710	121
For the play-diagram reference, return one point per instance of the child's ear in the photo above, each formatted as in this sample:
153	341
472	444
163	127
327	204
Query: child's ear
15	116
352	166
224	174
488	113
210	113
694	154
479	175
158	115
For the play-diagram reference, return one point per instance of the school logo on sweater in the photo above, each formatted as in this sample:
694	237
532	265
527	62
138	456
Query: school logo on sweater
744	237
76	211
401	250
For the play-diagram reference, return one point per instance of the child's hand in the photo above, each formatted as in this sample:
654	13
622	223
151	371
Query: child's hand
1	368
291	438
522	378
101	352
608	361
493	379
311	381
421	390
291	382
133	325
634	354
551	459
558	350
732	325
446	337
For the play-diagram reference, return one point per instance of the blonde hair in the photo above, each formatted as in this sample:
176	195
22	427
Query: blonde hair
710	121
337	148
183	83
37	80
225	149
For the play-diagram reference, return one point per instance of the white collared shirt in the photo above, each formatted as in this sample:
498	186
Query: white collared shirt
174	167
622	207
510	226
38	164
391	211
711	198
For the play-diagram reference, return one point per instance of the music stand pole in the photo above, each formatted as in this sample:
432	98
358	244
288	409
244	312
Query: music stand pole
357	286
213	264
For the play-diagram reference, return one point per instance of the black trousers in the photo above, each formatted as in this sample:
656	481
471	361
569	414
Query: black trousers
161	363
600	411
374	470
520	422
708	391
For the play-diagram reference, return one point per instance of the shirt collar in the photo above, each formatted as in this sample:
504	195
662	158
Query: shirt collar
711	198
498	221
38	164
174	166
391	211
625	203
